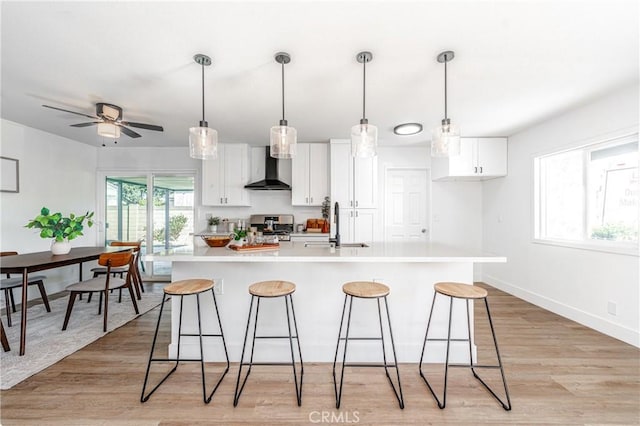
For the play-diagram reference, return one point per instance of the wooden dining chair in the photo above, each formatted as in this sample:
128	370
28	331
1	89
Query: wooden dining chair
105	283
9	283
137	278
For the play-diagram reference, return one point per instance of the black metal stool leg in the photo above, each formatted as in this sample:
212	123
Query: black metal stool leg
335	358
442	404
224	345
293	360
398	393
344	355
144	398
506	406
239	388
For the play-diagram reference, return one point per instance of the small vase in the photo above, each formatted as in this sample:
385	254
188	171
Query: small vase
60	247
213	228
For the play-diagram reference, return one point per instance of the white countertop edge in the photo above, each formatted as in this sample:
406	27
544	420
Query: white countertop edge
261	258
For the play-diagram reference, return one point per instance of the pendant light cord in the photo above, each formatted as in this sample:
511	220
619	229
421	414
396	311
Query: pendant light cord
364	90
203	91
282	64
445	90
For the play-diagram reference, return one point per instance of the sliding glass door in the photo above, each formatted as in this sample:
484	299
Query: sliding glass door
162	220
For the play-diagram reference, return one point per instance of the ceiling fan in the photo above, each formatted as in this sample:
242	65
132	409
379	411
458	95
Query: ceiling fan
110	121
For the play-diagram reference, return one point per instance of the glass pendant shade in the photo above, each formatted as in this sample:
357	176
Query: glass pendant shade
283	141
108	130
445	140
364	140
203	143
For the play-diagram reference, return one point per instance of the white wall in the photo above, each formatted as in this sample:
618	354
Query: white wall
55	172
574	283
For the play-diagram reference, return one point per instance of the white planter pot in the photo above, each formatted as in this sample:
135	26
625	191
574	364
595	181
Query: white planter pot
60	247
213	228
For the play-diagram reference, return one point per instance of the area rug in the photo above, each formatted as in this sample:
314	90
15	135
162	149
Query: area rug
48	344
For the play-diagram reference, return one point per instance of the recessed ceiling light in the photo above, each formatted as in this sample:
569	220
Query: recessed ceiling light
407	129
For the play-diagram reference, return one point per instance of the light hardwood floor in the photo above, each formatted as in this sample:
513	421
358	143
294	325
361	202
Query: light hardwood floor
558	372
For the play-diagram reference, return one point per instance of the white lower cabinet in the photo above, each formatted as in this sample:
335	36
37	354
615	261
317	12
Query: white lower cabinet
358	225
224	178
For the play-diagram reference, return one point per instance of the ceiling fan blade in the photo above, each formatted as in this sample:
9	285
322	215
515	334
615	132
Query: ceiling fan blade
85	124
128	132
71	112
143	126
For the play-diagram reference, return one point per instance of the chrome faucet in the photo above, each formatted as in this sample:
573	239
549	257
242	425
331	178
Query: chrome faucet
336	219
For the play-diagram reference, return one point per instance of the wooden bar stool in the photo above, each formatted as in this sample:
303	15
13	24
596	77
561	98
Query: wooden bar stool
193	287
366	290
464	292
271	289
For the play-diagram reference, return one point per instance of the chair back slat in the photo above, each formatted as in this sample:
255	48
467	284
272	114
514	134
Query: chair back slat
8	253
135	244
115	260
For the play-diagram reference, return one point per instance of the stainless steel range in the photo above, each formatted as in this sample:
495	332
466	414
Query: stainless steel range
273	224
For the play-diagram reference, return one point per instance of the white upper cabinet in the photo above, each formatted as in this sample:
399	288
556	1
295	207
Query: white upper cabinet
354	181
224	178
309	174
480	158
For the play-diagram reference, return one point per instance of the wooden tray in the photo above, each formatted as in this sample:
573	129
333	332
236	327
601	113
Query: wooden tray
263	247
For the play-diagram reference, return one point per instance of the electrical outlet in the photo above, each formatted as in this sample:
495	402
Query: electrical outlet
219	287
612	308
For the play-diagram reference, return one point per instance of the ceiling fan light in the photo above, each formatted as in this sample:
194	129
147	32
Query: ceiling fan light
445	140
364	140
203	143
108	130
283	141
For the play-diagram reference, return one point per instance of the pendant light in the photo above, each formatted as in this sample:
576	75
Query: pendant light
283	138
364	136
445	140
203	141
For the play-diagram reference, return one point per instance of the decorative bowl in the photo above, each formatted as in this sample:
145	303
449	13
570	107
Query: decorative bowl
216	240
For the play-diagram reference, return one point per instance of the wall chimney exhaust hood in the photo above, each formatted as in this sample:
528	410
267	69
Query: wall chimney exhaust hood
270	181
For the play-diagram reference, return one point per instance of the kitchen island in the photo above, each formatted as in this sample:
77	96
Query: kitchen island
409	268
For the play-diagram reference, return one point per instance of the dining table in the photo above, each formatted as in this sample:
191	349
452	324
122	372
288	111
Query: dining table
33	262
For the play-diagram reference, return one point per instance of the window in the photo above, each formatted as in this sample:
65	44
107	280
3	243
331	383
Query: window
588	196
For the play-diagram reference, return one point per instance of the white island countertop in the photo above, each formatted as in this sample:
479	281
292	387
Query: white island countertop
378	252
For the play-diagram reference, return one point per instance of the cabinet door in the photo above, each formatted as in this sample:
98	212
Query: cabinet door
236	174
365	182
365	225
300	176
346	226
341	175
465	163
492	156
213	180
318	187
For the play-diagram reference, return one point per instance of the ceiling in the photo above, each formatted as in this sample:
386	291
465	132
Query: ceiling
517	63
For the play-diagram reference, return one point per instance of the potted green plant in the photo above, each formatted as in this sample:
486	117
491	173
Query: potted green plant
213	222
60	229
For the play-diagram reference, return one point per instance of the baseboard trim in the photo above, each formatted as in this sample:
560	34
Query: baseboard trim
602	325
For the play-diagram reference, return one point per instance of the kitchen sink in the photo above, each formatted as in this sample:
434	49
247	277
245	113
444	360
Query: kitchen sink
354	245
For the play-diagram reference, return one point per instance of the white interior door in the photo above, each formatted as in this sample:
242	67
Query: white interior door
406	205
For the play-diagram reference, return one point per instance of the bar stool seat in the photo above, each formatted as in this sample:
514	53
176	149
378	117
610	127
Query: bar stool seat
186	287
189	287
460	291
271	289
366	290
464	292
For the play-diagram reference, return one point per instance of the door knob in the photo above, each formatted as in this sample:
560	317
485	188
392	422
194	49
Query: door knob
424	230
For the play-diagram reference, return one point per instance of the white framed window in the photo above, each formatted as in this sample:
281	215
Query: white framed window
587	197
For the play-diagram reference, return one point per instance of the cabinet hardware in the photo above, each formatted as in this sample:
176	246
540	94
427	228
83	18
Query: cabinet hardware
475	170
311	199
356	214
351	203
356	203
350	214
221	200
480	169
225	200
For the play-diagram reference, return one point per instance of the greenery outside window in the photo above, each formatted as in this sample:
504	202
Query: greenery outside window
588	196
